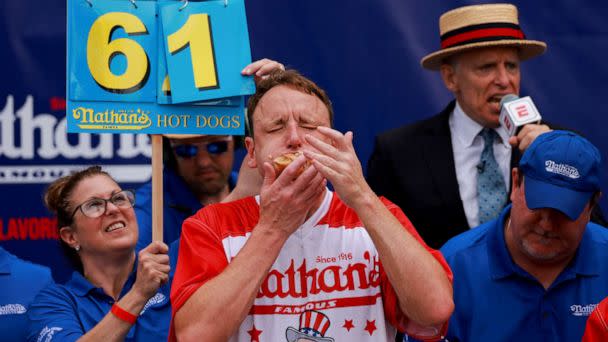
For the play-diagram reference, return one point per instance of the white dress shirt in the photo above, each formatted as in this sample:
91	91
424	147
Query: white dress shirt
467	146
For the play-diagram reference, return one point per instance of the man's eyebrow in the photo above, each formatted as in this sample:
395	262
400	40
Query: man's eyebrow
487	64
277	120
307	119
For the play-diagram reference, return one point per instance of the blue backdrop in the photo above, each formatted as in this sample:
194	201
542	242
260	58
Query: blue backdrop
364	53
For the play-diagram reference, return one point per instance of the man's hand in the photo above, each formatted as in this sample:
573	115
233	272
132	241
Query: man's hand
285	201
338	162
403	257
152	269
261	68
527	135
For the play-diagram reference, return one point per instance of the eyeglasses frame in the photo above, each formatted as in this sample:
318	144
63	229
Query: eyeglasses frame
105	207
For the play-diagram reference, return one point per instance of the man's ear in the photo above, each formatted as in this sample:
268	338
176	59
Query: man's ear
250	146
68	236
448	76
515	182
595	199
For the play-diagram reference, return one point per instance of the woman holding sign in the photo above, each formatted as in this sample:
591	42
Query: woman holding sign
115	295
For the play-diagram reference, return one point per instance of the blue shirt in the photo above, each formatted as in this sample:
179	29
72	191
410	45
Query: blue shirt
179	203
496	300
20	281
66	312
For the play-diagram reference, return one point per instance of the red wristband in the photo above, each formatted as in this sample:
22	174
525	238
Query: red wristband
123	314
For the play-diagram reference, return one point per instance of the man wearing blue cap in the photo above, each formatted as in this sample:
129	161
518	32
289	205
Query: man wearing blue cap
537	271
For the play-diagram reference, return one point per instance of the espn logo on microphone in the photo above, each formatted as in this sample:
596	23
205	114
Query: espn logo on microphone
518	112
521	110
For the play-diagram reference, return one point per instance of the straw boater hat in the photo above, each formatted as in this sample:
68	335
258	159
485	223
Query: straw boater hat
478	26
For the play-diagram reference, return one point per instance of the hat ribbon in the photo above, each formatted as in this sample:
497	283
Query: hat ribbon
481	33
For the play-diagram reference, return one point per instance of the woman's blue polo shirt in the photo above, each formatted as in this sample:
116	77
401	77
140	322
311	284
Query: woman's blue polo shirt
66	312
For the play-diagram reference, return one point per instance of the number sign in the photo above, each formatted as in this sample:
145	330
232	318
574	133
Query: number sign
157	67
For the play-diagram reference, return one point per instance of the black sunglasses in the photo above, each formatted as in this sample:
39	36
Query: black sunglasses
191	150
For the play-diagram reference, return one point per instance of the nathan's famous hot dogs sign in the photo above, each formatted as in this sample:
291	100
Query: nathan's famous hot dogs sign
137	66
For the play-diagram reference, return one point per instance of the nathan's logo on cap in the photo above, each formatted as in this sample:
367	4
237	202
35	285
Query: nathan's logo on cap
562	169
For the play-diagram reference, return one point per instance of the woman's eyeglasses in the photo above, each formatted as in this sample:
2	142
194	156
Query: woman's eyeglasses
96	207
191	150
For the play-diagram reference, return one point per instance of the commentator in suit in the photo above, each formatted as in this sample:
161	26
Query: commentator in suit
450	172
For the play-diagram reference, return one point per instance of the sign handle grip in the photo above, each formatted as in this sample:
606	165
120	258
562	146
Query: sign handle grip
157	187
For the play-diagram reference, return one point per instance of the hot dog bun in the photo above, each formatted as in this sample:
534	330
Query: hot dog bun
280	163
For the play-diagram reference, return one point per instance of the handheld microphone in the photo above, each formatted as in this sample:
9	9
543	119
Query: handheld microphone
516	112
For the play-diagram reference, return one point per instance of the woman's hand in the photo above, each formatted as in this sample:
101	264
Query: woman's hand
152	269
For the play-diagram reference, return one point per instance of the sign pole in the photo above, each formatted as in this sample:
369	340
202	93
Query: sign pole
157	187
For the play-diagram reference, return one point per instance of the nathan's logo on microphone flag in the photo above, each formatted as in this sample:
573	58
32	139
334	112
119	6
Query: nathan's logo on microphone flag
516	112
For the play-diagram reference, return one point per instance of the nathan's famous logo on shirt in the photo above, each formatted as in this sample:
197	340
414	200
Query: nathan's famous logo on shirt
46	334
301	281
582	310
111	119
12	309
157	299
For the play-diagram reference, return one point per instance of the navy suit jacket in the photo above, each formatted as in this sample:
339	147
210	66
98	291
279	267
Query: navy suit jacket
413	166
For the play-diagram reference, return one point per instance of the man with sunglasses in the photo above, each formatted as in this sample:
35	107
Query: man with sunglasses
197	171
